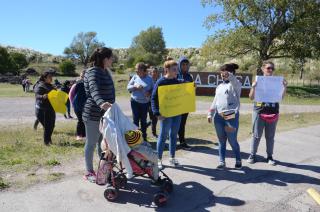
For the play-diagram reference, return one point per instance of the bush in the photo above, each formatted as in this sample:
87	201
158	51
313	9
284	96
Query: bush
67	68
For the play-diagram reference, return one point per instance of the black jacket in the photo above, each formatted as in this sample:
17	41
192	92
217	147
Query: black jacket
40	89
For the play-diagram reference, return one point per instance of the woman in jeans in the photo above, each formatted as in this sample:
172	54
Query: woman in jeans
265	117
44	111
224	111
100	92
167	124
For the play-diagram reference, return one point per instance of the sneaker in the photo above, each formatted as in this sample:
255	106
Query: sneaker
70	117
238	165
271	161
185	146
251	159
91	177
79	138
65	116
221	166
160	166
174	162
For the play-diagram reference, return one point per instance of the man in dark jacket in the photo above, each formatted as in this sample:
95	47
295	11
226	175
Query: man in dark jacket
184	65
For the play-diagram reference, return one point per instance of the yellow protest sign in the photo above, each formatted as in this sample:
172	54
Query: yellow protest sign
58	100
176	99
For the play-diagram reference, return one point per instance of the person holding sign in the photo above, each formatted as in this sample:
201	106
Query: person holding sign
100	92
167	124
184	76
140	86
224	113
44	110
265	114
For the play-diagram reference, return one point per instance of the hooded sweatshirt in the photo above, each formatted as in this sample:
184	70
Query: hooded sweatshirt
185	77
227	97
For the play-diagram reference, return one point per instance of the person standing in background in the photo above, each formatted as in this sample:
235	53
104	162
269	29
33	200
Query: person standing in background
44	111
77	97
140	86
66	88
184	76
154	74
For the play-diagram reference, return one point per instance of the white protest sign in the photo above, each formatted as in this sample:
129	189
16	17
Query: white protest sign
269	89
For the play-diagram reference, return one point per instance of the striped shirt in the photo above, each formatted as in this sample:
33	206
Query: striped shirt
99	88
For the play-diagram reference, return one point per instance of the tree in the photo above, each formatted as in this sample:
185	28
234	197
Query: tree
5	61
82	46
67	68
19	61
264	29
149	47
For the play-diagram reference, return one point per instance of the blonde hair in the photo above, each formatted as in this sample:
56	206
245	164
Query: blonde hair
170	63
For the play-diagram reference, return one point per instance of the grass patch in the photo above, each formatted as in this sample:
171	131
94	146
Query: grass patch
3	184
296	95
53	162
10	90
55	176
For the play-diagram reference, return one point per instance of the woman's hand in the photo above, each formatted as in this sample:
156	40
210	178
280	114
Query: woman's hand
209	119
285	83
105	106
45	96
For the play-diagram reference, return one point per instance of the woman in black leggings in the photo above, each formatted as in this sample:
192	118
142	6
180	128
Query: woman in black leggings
44	111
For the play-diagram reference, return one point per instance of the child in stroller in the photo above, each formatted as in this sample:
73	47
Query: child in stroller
118	163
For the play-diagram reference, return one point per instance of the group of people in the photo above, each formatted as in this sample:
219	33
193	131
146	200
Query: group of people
95	93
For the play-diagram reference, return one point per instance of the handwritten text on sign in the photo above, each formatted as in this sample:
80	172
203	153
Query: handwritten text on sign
177	99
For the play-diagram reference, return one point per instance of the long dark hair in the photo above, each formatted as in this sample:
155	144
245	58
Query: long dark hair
99	55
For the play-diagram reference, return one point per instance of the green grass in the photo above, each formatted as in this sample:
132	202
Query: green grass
296	95
3	184
9	90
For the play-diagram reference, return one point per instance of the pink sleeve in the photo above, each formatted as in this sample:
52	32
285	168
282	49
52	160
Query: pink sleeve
72	92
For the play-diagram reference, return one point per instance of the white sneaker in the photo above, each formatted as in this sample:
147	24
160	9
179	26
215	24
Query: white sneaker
174	162
160	166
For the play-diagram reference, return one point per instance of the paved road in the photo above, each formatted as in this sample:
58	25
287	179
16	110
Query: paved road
199	186
15	111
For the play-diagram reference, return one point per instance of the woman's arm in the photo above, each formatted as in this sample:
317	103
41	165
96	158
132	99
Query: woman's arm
154	101
285	84
130	86
252	90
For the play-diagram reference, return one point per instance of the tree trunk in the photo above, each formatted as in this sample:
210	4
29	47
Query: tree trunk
301	73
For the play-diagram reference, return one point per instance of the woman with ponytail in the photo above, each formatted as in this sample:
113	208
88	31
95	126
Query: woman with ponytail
224	113
100	93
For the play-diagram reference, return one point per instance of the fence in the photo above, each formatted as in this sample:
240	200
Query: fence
303	82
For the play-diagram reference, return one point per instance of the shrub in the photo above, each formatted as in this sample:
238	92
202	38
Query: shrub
67	68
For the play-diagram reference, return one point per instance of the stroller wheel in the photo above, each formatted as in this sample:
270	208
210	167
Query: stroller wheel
167	186
111	194
121	181
160	199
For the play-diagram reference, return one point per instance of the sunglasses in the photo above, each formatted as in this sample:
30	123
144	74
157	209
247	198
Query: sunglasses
270	68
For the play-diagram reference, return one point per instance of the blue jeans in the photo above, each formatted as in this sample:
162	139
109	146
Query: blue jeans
220	123
168	125
140	114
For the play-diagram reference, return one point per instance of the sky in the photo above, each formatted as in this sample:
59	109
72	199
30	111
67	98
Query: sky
50	25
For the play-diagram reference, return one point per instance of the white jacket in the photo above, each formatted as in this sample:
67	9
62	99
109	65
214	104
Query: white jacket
114	125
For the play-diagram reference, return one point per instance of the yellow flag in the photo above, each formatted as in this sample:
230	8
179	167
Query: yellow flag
176	99
58	100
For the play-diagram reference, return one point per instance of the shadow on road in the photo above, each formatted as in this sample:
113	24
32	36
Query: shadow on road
187	196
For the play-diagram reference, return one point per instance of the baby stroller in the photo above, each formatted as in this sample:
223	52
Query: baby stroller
113	173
